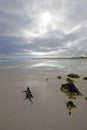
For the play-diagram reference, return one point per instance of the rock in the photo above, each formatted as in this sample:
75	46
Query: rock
85	78
59	77
70	88
70	105
85	98
72	75
70	80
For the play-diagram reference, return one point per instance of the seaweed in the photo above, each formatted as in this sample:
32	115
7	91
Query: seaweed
85	78
72	75
69	94
59	77
71	91
70	80
85	98
69	113
70	105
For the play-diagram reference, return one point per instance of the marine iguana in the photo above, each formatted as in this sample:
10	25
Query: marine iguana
28	94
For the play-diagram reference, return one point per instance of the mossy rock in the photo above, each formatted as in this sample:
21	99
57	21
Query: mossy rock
70	95
69	113
85	98
85	78
70	80
70	88
59	77
72	75
70	105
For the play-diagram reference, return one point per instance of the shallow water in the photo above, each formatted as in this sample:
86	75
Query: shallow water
49	109
77	65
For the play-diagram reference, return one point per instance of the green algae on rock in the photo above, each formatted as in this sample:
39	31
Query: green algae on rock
72	75
70	88
70	105
71	96
59	77
85	78
85	98
69	113
70	80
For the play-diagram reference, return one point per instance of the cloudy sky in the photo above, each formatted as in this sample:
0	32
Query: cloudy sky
43	28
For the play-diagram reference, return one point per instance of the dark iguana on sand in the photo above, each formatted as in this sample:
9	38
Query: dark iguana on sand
28	94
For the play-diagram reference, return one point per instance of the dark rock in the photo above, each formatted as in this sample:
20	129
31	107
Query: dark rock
70	88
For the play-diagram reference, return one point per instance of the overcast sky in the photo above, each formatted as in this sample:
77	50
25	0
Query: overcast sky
39	28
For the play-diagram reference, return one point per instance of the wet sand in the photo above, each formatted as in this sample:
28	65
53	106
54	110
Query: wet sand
48	110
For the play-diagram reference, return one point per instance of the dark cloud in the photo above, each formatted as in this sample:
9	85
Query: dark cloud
13	45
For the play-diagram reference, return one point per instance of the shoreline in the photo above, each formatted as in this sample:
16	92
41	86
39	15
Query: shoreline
44	58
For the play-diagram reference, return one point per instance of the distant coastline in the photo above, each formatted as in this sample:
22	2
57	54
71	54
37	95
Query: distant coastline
65	58
38	58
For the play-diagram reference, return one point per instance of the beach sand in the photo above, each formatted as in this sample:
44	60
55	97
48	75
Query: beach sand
48	110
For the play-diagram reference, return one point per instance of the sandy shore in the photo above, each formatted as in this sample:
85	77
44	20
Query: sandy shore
48	111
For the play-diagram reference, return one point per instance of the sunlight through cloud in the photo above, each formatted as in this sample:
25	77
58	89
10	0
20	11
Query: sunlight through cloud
44	21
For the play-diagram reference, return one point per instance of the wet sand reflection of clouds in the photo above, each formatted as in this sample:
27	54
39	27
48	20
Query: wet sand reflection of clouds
49	63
